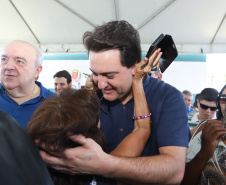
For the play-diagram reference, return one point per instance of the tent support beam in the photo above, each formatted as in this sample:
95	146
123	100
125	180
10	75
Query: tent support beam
75	13
116	12
218	29
155	14
25	21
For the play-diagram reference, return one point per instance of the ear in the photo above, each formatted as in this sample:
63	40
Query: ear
70	84
38	71
198	104
133	69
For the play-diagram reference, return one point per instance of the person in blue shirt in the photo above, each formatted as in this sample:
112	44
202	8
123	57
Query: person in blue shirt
20	93
188	100
114	50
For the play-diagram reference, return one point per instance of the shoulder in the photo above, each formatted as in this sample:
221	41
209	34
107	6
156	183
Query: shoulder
161	91
195	118
1	88
46	93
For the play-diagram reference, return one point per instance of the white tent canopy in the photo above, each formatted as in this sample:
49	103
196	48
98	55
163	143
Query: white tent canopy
57	26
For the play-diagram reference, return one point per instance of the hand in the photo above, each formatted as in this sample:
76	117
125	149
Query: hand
212	133
90	85
140	71
86	158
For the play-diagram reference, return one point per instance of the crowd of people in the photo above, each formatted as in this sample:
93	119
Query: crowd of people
126	127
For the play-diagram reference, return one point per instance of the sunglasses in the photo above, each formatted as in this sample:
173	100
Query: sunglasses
222	98
205	107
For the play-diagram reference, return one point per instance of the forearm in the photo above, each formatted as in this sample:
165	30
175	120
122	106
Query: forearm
140	101
133	144
194	169
161	169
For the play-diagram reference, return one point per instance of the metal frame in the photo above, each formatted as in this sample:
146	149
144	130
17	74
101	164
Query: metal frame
25	22
162	9
218	29
75	13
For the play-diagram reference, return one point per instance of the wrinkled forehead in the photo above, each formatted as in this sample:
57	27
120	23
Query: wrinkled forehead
20	49
187	96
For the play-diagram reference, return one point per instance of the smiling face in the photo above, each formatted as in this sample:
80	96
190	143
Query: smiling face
113	79
205	114
60	84
18	65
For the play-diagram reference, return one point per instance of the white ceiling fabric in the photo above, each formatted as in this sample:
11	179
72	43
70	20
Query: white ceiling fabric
57	26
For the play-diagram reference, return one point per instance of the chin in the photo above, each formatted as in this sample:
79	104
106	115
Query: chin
9	86
110	97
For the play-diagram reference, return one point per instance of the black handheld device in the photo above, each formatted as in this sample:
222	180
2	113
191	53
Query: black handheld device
168	49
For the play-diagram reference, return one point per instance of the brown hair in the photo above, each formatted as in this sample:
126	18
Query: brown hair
72	112
115	35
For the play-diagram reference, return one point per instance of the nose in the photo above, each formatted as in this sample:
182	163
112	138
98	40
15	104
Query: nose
58	86
9	65
208	110
102	83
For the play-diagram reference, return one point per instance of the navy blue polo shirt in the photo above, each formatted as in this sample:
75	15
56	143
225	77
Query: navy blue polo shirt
22	113
169	125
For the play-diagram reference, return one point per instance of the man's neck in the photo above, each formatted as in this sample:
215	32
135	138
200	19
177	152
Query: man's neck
126	98
23	96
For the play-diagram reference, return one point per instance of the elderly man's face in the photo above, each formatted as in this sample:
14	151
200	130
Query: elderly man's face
18	65
188	100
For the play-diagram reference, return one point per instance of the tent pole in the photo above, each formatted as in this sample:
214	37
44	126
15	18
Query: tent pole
25	22
75	13
218	29
155	14
116	12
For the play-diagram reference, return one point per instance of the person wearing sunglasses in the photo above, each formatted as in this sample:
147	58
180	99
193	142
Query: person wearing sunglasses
206	155
206	105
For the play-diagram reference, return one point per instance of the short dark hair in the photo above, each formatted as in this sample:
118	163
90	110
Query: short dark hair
208	94
196	98
72	112
219	112
115	35
64	74
187	92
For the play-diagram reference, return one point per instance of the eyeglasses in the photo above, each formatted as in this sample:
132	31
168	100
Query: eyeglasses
205	107
222	98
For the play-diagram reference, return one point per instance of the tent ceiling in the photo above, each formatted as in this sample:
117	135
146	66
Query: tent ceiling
58	25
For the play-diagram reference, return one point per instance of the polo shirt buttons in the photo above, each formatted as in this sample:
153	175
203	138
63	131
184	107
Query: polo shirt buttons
18	106
121	129
124	107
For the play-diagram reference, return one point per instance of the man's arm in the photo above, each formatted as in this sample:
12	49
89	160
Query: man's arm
166	168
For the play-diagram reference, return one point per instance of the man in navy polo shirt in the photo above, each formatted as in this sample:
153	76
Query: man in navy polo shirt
114	49
20	93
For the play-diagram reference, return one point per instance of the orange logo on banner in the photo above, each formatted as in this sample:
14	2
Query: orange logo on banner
76	75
